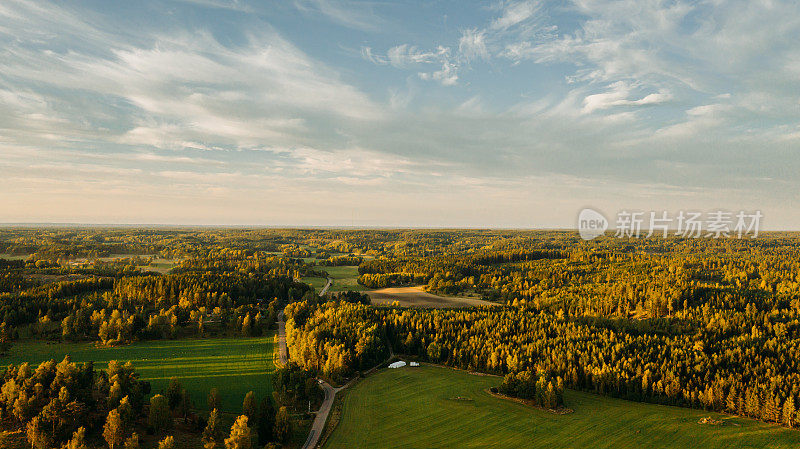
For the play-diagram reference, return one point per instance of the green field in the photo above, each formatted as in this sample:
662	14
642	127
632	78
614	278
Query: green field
162	265
317	283
233	365
344	278
417	407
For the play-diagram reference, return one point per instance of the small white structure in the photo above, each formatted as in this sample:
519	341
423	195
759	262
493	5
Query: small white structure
414	364
398	364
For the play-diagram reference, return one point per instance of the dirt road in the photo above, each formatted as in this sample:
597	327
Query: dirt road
326	287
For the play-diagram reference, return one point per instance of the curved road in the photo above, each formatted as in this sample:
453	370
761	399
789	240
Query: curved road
322	415
330	392
326	287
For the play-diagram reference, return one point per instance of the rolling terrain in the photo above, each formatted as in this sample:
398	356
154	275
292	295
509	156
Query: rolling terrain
232	365
437	407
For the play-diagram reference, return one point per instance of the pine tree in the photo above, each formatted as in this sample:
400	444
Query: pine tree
731	401
550	396
125	410
752	403
212	434
241	436
174	393
266	421
283	425
707	398
22	407
772	409
78	439
114	429
36	435
53	412
789	412
159	417
249	406
213	399
247	326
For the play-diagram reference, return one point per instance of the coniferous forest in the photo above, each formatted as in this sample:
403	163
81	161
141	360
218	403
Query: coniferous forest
709	324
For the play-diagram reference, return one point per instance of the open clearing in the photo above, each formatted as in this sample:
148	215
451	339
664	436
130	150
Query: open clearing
417	297
414	407
162	266
344	278
317	283
232	365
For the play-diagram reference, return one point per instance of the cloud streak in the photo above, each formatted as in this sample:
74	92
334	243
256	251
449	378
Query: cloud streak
515	112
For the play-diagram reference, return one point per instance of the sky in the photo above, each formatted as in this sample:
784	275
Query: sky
510	114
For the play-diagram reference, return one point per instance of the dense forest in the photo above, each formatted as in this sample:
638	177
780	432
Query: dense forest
58	286
703	323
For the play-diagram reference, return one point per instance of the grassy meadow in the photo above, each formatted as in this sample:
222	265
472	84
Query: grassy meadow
162	265
344	278
316	282
232	365
435	407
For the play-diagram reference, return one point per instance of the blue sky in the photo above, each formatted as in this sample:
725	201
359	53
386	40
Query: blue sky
436	113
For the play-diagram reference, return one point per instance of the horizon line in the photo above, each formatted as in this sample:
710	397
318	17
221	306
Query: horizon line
30	225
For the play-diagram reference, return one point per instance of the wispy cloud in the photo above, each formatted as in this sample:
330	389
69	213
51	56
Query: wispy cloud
538	103
515	13
351	14
234	5
472	44
406	56
183	87
618	95
517	20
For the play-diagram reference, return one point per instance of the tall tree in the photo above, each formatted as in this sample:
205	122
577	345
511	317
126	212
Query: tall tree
789	412
160	417
173	393
125	411
247	326
752	403
36	434
241	435
114	429
78	440
212	434
214	401
283	425
249	406
266	420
